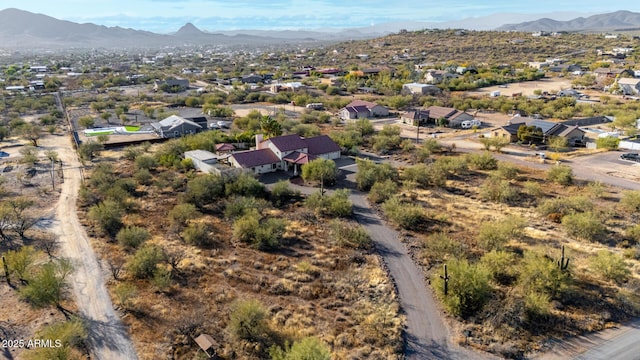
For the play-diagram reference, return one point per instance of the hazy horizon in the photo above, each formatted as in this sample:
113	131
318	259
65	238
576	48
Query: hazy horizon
164	16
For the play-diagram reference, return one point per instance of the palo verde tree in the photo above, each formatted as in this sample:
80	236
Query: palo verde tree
320	170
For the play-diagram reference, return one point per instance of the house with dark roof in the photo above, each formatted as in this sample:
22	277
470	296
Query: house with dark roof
453	116
573	133
175	126
287	152
415	117
359	109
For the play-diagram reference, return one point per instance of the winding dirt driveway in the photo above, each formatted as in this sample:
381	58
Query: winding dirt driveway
108	338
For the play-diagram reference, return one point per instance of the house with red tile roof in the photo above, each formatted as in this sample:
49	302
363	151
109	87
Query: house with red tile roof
287	152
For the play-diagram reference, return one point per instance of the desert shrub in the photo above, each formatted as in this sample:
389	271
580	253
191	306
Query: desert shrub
382	190
468	288
440	246
405	215
181	214
47	286
108	215
204	189
144	262
425	175
565	206
240	205
560	174
630	200
143	177
197	234
162	278
539	273
348	234
498	190
309	348
585	226
533	188
387	139
245	185
536	305
484	161
496	142
125	292
608	142
132	236
147	162
432	146
494	235
71	334
132	152
506	171
263	234
500	265
281	193
596	189
407	145
451	165
609	266
248	320
335	205
369	173
306	130
633	232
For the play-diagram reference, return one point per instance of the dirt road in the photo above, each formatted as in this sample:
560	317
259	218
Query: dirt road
108	338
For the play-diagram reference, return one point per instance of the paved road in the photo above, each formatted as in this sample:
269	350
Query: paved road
426	336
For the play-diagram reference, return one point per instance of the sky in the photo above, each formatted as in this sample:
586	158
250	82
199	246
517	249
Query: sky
166	16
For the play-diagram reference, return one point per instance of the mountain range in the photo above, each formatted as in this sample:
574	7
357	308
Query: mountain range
25	30
616	21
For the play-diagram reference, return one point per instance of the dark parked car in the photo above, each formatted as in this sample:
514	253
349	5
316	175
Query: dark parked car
630	156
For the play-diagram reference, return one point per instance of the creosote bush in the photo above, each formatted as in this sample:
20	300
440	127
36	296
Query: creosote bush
586	226
609	266
405	215
144	262
498	190
630	200
261	233
335	205
469	287
560	174
248	320
197	233
132	236
108	215
381	191
494	235
350	235
484	161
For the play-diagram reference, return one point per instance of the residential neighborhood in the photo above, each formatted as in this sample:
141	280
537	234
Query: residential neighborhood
421	193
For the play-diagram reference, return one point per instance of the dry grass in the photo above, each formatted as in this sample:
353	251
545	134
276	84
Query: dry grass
310	287
589	304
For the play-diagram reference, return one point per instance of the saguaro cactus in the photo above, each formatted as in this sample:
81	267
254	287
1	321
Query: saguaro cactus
446	280
563	263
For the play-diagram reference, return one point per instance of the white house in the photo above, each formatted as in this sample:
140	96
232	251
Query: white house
629	86
420	89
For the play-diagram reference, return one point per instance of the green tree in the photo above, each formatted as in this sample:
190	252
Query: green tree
182	214
540	274
197	233
320	170
204	189
369	173
48	285
530	134
90	149
31	133
72	335
19	261
270	127
585	226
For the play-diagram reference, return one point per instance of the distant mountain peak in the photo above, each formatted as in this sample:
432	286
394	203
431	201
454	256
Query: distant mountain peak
189	29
